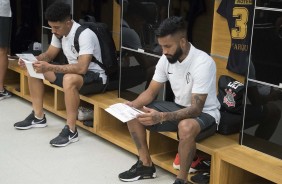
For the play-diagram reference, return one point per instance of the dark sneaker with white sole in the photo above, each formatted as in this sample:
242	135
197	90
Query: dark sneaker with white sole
65	137
31	122
138	171
180	181
201	178
5	94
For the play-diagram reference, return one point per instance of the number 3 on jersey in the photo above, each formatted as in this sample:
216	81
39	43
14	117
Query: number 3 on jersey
240	31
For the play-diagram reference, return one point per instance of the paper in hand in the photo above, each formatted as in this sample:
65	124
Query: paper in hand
28	60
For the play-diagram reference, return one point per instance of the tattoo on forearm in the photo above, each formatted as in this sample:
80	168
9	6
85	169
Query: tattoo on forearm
63	68
136	140
197	103
44	57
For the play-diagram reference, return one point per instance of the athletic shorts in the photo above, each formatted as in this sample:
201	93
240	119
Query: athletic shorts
5	31
92	83
205	120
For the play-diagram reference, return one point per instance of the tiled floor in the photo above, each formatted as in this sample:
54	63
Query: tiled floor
27	158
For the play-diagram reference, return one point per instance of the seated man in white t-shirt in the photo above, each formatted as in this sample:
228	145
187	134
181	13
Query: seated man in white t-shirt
72	77
195	110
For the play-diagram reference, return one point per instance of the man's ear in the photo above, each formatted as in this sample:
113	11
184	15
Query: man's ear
183	42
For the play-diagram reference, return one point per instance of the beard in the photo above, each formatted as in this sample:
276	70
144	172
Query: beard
58	36
175	57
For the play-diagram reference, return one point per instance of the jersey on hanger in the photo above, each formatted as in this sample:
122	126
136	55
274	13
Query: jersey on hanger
239	14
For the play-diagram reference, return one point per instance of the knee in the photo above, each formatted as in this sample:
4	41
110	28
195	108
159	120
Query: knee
71	82
185	130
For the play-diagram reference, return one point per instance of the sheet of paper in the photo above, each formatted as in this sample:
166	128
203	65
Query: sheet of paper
123	112
28	60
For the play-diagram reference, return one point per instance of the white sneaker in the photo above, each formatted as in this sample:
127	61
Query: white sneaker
85	114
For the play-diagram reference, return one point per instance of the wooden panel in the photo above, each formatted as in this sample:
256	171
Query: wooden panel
221	40
221	69
252	161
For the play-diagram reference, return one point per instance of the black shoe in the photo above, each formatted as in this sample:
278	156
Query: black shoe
201	178
200	164
5	94
65	137
138	171
179	181
30	122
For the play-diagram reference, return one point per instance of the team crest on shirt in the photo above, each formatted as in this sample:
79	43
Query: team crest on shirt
229	98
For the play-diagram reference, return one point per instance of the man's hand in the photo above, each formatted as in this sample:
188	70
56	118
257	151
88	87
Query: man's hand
21	63
150	117
40	66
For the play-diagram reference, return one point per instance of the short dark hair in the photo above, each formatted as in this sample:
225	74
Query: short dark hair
58	11
171	26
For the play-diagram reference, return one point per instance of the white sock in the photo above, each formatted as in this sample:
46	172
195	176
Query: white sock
38	117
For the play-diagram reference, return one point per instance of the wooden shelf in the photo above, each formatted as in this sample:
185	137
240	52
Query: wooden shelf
250	160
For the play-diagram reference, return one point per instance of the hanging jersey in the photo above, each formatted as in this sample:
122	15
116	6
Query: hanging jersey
239	14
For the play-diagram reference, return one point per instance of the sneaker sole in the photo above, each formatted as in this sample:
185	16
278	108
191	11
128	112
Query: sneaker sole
177	167
154	175
191	170
63	145
2	98
31	126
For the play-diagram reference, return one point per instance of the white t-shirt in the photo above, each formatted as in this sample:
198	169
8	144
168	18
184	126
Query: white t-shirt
195	74
5	8
88	44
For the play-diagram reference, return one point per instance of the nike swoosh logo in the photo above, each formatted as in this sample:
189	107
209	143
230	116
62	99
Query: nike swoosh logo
169	73
70	138
37	122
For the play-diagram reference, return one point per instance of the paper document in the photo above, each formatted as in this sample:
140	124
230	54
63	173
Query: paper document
28	60
123	112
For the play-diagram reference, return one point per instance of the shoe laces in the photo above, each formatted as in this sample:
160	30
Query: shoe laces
135	166
65	132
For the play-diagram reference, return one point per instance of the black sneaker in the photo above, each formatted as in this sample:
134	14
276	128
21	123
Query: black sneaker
65	137
30	122
138	171
200	164
5	94
201	178
179	181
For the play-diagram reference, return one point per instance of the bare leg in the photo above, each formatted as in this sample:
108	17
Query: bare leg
71	84
3	66
138	134
188	130
36	89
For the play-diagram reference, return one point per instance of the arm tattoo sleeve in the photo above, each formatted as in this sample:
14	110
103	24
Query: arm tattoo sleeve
196	107
44	57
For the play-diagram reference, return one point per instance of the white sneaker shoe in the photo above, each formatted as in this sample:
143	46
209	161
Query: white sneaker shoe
85	114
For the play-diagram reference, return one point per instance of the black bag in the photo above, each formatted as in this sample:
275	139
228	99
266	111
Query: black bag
108	49
230	96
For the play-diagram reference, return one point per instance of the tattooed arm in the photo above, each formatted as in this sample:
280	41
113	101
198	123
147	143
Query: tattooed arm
49	55
197	105
80	67
151	116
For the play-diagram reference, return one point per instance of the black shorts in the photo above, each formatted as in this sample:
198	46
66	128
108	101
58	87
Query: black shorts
5	31
92	83
205	120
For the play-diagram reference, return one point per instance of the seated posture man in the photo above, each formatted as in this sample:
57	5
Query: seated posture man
72	77
192	75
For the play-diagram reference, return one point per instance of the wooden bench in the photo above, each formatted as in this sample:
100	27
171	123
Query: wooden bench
162	146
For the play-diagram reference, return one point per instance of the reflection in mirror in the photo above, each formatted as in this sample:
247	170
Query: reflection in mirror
269	3
262	124
140	20
266	46
137	70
